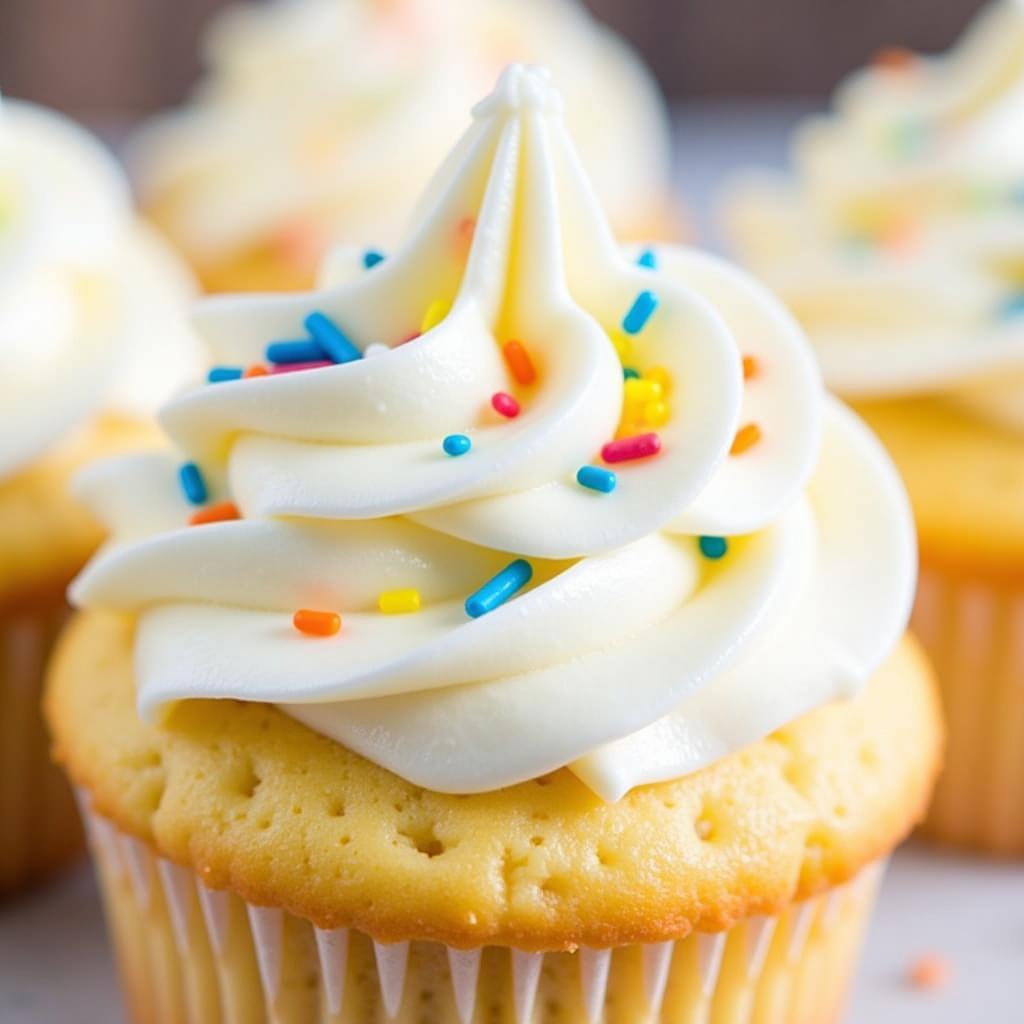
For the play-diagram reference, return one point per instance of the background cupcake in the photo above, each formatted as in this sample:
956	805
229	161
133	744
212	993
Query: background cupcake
433	712
319	121
92	335
900	247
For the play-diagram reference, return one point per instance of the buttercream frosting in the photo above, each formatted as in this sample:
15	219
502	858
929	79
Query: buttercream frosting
900	243
91	302
638	651
319	120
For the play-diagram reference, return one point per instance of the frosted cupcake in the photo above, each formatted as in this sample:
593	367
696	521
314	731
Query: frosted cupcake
319	121
900	247
91	332
545	666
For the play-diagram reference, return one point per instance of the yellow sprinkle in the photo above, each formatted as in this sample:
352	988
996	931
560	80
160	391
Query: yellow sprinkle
662	377
435	313
398	602
642	390
623	346
655	414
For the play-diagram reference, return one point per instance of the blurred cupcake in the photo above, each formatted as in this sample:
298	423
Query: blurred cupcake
435	713
319	121
900	247
92	335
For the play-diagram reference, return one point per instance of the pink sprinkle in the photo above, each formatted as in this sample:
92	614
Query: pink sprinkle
640	446
505	405
294	367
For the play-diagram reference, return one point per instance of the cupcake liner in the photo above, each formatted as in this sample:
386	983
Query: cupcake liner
973	632
38	822
191	954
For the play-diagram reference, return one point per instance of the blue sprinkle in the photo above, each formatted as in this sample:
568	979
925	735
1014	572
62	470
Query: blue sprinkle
1012	307
192	483
713	547
371	258
497	591
456	444
648	258
303	351
628	373
640	312
222	373
596	479
332	339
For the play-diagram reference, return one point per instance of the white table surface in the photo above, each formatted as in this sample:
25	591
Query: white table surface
55	965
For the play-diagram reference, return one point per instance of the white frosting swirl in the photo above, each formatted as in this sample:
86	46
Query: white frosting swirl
631	657
91	303
319	119
900	246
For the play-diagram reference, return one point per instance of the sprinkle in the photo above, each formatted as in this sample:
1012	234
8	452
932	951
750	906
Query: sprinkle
222	373
465	229
495	592
409	337
1012	307
596	479
317	364
305	350
623	346
192	483
255	371
519	362
751	367
662	376
628	373
639	446
895	58
456	444
642	390
371	258
374	350
435	313
929	972
331	338
222	512
713	547
640	312
505	405
746	437
314	623
655	414
648	258
399	602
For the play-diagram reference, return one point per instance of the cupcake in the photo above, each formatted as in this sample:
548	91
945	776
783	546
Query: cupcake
900	248
320	120
536	649
91	330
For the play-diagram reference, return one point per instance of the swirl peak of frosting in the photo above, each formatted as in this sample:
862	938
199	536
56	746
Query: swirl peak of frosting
900	245
634	629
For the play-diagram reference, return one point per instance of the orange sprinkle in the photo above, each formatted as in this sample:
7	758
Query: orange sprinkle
255	371
222	512
895	58
745	439
751	367
314	623
519	362
929	972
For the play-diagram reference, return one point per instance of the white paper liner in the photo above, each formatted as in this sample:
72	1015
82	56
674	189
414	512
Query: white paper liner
973	633
200	919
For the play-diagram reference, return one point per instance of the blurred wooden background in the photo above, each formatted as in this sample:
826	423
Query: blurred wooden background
117	57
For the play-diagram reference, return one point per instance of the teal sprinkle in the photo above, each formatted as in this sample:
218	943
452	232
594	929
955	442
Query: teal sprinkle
713	547
628	373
